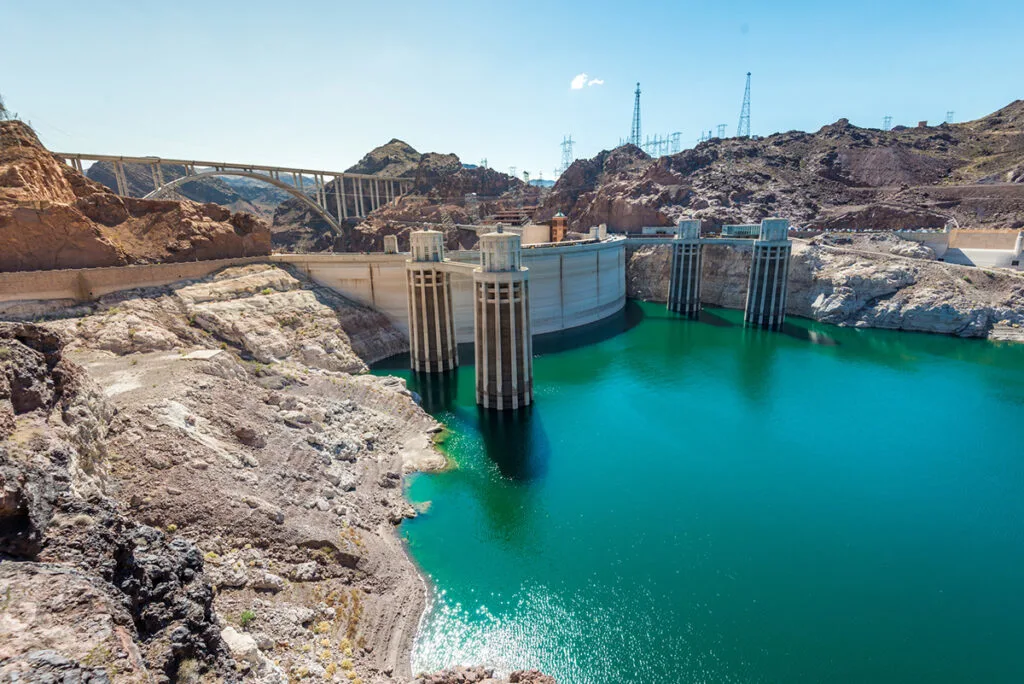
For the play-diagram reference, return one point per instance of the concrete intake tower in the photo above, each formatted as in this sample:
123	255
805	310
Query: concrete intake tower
769	276
501	318
687	262
432	345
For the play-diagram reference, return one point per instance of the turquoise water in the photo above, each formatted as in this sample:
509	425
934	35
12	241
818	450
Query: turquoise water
697	501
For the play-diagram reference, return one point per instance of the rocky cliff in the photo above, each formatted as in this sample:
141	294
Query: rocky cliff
89	592
853	287
839	177
201	483
53	217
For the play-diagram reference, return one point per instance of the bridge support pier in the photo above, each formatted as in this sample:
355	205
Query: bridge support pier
687	264
432	346
769	276
501	317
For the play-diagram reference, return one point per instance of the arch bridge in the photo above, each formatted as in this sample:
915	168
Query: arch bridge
334	195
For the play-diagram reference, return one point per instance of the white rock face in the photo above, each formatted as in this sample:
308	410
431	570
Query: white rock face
242	646
857	288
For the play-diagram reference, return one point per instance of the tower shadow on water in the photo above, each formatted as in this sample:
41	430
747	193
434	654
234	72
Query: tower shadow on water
516	442
755	358
438	391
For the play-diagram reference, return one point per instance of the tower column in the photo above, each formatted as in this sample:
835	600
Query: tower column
769	276
685	275
432	346
502	330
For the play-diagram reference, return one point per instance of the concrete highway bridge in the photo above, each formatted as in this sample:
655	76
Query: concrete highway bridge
351	195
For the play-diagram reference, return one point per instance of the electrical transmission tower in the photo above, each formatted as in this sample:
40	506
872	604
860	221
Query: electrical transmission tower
743	130
677	145
634	133
567	158
721	130
949	116
886	123
483	163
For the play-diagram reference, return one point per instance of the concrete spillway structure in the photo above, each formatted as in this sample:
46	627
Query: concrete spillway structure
769	276
432	346
501	321
687	263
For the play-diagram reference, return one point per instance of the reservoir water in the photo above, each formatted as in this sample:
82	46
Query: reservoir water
697	501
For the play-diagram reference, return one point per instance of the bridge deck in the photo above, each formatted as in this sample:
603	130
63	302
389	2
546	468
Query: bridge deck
224	166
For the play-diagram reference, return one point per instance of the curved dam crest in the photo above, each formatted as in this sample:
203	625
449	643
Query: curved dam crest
571	285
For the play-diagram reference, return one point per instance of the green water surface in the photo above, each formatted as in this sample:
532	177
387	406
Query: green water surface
694	501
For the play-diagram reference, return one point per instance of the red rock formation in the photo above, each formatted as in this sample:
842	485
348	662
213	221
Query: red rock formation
53	217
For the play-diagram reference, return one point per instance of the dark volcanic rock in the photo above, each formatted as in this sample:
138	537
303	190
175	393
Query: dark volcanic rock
58	530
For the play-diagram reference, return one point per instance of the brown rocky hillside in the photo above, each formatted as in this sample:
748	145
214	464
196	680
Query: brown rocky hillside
439	178
53	217
840	177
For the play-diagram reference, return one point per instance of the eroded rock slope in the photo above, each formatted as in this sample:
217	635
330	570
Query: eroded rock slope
878	288
232	438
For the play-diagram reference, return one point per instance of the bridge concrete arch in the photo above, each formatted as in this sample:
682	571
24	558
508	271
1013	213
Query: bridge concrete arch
291	190
365	192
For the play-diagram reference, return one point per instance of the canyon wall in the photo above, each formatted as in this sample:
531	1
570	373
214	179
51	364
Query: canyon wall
53	217
853	288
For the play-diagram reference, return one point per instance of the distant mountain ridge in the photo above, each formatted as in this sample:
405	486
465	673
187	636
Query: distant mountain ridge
839	177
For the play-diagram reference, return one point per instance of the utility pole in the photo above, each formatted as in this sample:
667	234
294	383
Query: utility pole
743	129
634	134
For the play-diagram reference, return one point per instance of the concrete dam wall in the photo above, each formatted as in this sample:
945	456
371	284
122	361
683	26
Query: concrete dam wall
570	285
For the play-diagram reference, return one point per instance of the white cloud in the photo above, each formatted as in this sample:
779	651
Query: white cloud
581	80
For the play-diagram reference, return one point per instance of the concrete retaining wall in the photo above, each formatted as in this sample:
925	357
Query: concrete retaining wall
27	291
982	239
569	285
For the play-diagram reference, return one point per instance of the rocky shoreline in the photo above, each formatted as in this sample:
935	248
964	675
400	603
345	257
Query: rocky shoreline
852	287
218	479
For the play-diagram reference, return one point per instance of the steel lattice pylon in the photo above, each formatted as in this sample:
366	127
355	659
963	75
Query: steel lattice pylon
743	130
634	134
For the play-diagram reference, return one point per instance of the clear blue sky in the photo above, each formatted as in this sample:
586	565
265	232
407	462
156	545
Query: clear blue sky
318	84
